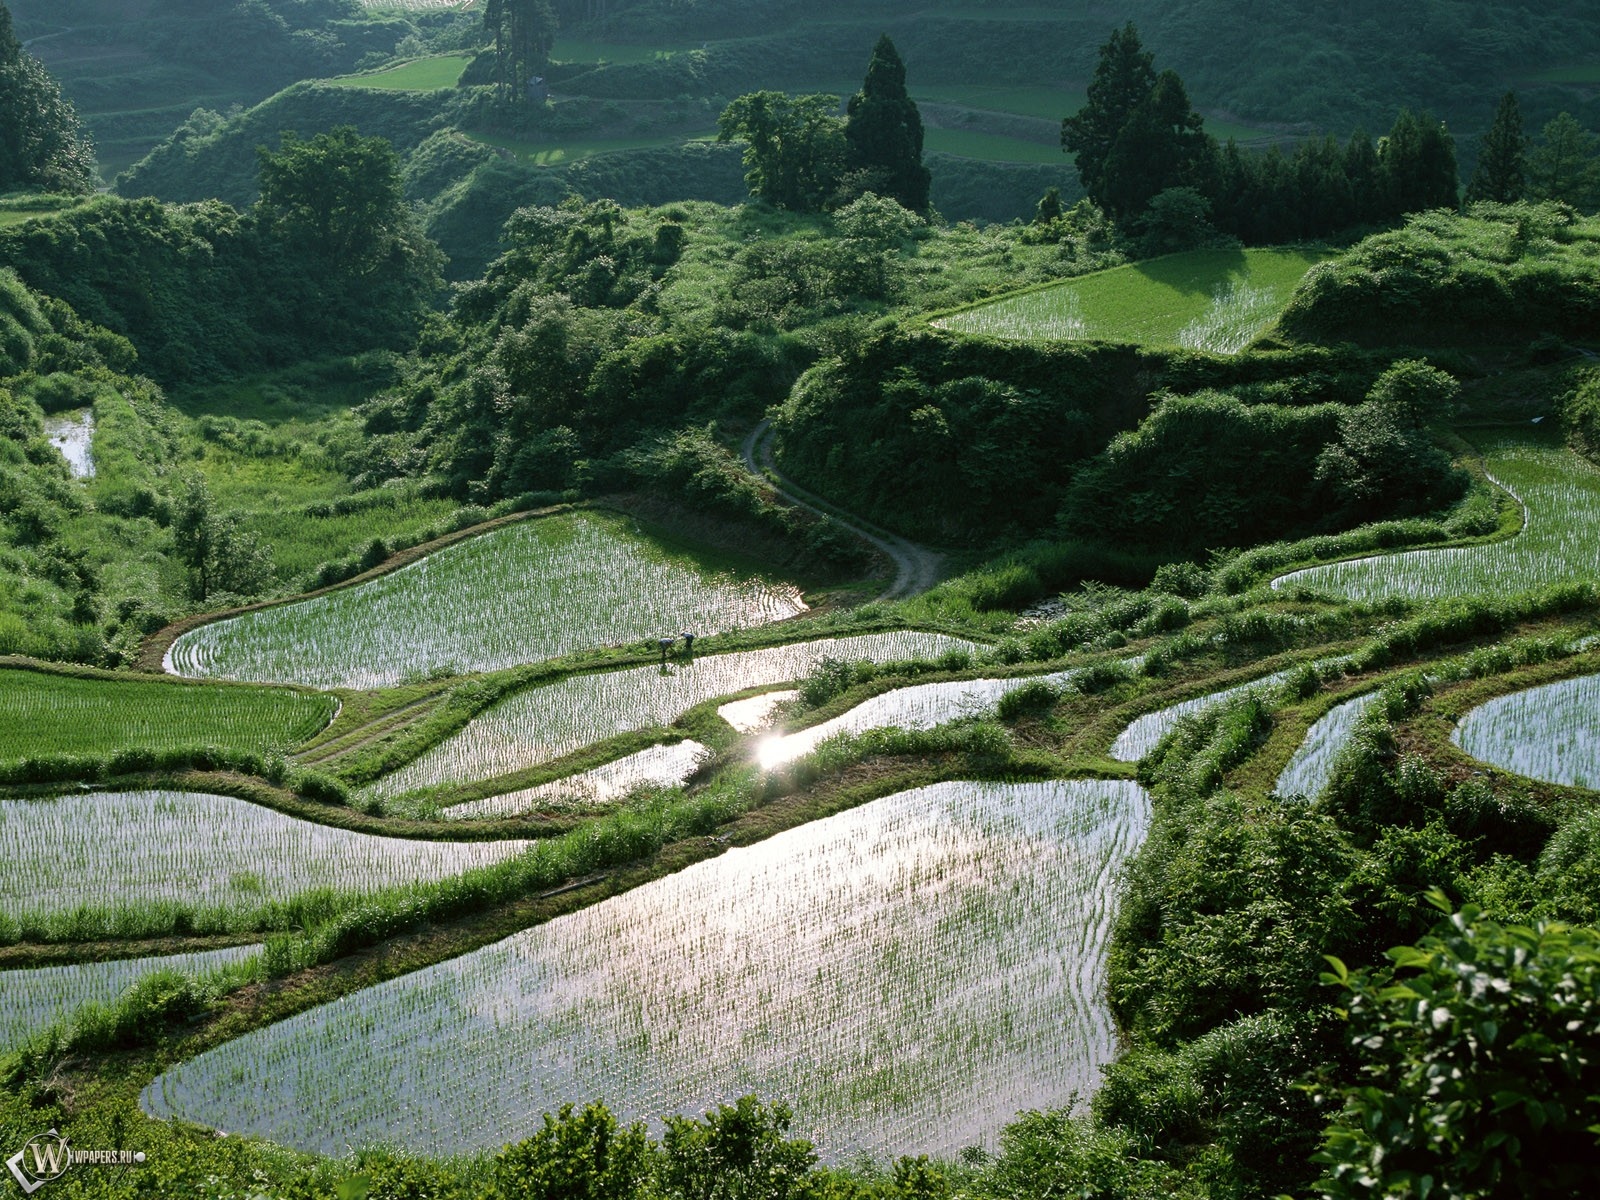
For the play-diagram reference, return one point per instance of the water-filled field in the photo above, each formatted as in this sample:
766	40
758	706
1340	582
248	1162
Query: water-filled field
35	997
524	592
46	713
1560	542
920	706
908	974
657	766
1216	300
116	851
757	712
1550	732
72	433
1310	769
544	722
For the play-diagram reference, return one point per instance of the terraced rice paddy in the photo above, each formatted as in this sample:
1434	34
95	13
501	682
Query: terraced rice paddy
1140	737
1213	300
746	716
908	974
1310	770
921	706
658	766
524	592
545	722
45	713
72	433
34	998
215	855
1560	542
1550	733
419	75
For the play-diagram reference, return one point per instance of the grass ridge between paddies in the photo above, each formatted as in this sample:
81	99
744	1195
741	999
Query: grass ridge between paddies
524	592
1213	300
908	974
1559	542
51	712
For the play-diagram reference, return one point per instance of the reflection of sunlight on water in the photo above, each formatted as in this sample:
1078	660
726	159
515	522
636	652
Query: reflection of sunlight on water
771	751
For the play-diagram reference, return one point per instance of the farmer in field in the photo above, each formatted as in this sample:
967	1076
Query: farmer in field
688	644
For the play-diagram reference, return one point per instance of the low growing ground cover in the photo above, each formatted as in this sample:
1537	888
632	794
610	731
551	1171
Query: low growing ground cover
531	590
908	974
32	998
544	722
43	712
1216	300
1550	732
1559	543
222	859
1142	734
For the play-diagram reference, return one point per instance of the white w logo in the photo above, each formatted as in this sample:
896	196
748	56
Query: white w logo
51	1158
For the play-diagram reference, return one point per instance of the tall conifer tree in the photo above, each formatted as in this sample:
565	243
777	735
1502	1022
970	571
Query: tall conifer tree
1502	170
883	132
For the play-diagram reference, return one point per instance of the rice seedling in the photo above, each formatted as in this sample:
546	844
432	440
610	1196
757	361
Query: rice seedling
35	997
549	720
1311	767
657	766
747	716
72	433
1550	732
920	706
218	856
1559	543
1212	300
45	713
528	591
907	974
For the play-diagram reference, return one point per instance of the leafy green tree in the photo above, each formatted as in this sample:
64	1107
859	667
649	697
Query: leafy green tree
523	32
1481	1078
1501	174
41	144
1137	135
883	133
1565	165
221	556
338	197
1417	391
794	146
741	1151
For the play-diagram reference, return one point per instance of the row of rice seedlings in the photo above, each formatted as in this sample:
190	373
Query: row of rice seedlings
36	997
656	766
72	433
1310	769
756	712
1141	736
1550	732
1239	314
528	591
224	857
1048	314
1559	543
920	706
547	721
45	713
908	975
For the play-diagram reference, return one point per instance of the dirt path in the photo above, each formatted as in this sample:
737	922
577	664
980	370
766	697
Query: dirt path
917	568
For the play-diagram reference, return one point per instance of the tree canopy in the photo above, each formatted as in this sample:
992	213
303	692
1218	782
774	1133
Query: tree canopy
41	145
794	146
883	134
523	32
1502	169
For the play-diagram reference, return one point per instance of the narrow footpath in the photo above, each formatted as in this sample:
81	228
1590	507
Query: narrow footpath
917	568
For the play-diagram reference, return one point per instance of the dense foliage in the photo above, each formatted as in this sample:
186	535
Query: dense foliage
41	146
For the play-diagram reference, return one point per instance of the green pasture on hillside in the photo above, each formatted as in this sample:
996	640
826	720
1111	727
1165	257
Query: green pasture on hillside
1215	300
571	50
543	154
43	712
992	147
419	75
1560	542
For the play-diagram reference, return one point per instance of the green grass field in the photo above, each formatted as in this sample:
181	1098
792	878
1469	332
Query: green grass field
45	713
419	75
543	154
571	50
1216	300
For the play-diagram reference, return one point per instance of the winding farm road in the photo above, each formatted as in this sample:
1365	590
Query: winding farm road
917	568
